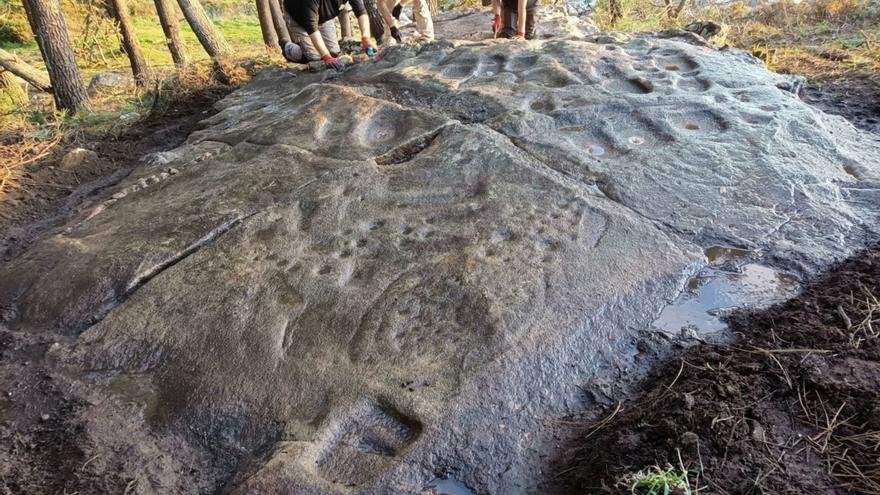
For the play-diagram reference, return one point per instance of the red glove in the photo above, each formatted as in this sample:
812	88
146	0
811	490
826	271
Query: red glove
496	24
367	46
332	62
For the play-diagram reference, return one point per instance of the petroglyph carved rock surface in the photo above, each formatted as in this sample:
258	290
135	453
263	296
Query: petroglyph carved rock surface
356	282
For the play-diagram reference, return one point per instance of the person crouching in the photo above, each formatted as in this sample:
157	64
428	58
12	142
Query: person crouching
314	32
390	10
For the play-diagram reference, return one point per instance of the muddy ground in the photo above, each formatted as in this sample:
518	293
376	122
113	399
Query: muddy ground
790	407
856	98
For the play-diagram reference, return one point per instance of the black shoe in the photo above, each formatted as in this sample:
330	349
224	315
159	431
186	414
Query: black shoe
396	11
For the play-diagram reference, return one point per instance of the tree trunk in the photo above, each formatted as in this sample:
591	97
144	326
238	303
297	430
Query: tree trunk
11	89
280	22
267	26
21	69
50	30
616	11
171	28
211	39
377	24
130	44
677	10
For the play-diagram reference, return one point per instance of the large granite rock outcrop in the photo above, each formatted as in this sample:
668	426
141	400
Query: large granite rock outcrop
357	282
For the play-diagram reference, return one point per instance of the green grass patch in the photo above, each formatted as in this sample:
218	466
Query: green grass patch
658	481
242	33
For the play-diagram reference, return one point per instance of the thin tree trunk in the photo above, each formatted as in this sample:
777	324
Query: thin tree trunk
677	11
21	69
377	23
171	28
616	11
11	89
280	22
130	44
211	39
267	26
50	30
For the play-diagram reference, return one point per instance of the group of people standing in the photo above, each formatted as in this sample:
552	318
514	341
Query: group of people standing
313	28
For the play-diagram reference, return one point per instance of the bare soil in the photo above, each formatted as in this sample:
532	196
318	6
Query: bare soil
58	434
854	97
45	192
790	407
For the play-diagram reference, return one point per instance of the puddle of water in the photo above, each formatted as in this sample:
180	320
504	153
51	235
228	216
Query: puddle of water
596	150
721	254
716	290
449	486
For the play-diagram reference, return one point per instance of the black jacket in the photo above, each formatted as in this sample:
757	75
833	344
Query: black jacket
511	4
312	13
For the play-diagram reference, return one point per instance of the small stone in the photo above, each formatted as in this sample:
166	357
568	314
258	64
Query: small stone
346	59
173	171
119	195
129	117
143	183
44	417
76	157
110	82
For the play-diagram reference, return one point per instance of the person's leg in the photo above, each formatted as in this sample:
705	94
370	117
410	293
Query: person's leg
424	23
508	23
328	32
385	7
307	50
386	11
496	18
345	21
532	22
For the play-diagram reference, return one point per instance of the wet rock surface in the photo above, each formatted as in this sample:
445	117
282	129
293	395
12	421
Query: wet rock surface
366	281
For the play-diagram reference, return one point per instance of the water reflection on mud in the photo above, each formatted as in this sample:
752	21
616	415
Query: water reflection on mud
733	279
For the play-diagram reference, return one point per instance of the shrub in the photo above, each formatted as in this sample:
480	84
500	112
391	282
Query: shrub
14	27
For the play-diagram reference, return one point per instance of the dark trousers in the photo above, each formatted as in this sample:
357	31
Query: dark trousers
508	21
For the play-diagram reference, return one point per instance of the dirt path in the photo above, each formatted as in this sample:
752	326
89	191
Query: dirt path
791	407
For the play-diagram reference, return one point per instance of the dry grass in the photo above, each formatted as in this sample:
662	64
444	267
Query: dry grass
32	135
851	450
820	39
14	156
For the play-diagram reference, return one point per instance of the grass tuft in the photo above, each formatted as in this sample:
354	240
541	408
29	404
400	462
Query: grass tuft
655	480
